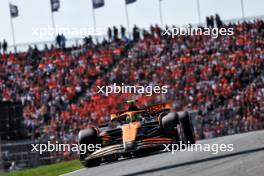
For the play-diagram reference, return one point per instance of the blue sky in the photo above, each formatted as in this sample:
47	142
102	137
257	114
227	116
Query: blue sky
78	13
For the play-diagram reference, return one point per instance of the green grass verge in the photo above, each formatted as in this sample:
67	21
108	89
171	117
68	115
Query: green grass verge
48	170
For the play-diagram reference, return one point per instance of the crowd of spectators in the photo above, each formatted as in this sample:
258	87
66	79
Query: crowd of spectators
220	77
242	113
47	83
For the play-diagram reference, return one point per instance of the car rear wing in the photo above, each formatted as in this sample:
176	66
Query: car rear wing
150	109
158	107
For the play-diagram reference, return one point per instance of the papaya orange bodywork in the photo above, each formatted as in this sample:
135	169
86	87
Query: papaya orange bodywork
130	131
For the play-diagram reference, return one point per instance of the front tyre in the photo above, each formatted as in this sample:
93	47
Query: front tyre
86	137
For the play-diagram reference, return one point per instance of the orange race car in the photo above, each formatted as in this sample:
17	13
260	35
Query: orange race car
136	132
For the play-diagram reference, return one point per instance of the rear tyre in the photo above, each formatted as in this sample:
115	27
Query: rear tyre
169	123
186	128
86	137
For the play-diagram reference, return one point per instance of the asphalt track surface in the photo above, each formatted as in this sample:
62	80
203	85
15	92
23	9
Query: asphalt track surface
247	159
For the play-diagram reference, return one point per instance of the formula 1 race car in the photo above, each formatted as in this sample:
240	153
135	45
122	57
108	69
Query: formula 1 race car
136	132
